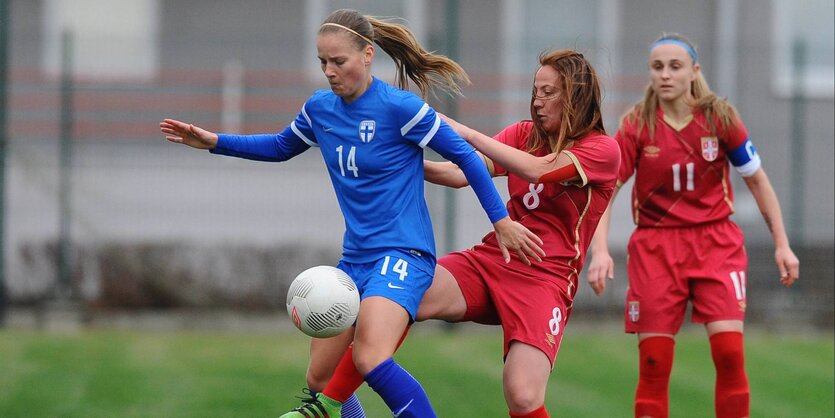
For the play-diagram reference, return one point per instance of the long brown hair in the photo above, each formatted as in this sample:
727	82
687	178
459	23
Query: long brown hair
712	106
412	61
580	101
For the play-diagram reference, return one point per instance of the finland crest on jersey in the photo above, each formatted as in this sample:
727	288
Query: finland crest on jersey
367	128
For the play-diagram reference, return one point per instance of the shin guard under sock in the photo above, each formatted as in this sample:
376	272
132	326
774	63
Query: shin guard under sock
400	391
656	363
732	391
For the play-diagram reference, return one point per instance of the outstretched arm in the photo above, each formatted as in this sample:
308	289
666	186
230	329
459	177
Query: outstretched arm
188	134
511	236
787	262
445	173
550	168
260	147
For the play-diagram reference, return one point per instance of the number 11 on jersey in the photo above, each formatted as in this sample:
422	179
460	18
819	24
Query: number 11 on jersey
677	177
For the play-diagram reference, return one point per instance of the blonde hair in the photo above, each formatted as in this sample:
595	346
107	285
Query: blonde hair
427	70
642	113
580	101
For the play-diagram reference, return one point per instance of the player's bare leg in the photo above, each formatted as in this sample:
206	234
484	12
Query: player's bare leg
525	378
443	300
380	325
325	354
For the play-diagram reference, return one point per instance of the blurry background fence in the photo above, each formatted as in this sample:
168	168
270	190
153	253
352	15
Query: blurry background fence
143	224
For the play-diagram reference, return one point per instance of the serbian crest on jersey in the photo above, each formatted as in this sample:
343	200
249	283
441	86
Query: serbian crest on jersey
710	148
367	128
634	311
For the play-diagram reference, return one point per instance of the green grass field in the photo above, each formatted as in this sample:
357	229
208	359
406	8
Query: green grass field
224	374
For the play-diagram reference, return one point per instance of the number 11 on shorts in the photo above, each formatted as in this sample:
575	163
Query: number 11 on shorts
738	279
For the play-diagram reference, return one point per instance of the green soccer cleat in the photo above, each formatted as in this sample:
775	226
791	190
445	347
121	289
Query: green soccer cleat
316	406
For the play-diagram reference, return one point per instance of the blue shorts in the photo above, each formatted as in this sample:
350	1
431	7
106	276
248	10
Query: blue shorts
399	276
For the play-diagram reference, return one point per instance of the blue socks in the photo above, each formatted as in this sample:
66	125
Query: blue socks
400	391
352	408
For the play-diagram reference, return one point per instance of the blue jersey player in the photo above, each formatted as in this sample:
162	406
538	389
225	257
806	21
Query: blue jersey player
372	136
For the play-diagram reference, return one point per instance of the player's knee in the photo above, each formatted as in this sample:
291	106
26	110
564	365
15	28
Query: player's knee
727	352
523	395
728	360
656	358
317	378
521	400
366	360
652	368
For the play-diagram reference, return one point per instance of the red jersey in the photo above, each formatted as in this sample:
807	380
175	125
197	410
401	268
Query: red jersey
563	215
681	176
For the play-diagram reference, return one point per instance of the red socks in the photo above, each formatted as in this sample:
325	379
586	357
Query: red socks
346	379
536	413
656	363
732	392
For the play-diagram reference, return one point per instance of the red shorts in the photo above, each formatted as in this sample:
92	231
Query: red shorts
532	303
668	267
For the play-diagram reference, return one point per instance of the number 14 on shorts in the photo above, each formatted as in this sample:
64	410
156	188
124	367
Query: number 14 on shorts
400	267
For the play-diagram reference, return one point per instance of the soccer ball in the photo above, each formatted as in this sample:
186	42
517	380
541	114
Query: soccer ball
323	301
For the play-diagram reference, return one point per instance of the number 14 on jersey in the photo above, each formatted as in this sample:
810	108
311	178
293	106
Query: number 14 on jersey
349	162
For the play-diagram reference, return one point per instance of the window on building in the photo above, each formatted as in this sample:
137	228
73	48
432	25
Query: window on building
110	39
804	59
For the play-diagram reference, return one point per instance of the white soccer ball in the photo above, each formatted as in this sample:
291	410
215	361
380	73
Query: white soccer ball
323	301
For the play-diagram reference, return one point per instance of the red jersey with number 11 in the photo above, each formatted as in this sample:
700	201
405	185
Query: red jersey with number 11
681	175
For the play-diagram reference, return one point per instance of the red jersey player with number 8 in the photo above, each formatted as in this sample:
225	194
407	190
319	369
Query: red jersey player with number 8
677	142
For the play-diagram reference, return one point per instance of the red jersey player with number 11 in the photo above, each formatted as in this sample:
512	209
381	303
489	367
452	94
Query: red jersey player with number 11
677	142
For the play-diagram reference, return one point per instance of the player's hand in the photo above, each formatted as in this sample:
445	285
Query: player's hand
788	264
188	134
513	236
601	270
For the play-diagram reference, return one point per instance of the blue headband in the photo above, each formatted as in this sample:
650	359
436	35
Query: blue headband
684	45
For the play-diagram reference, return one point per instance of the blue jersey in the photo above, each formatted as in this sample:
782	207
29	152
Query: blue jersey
373	150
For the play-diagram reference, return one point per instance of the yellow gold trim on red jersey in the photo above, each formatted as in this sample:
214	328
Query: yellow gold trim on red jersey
583	178
580	222
571	289
678	126
636	210
726	188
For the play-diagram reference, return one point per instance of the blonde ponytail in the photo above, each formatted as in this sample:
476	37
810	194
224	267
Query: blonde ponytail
427	71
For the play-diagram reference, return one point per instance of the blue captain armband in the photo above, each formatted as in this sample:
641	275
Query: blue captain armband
745	158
